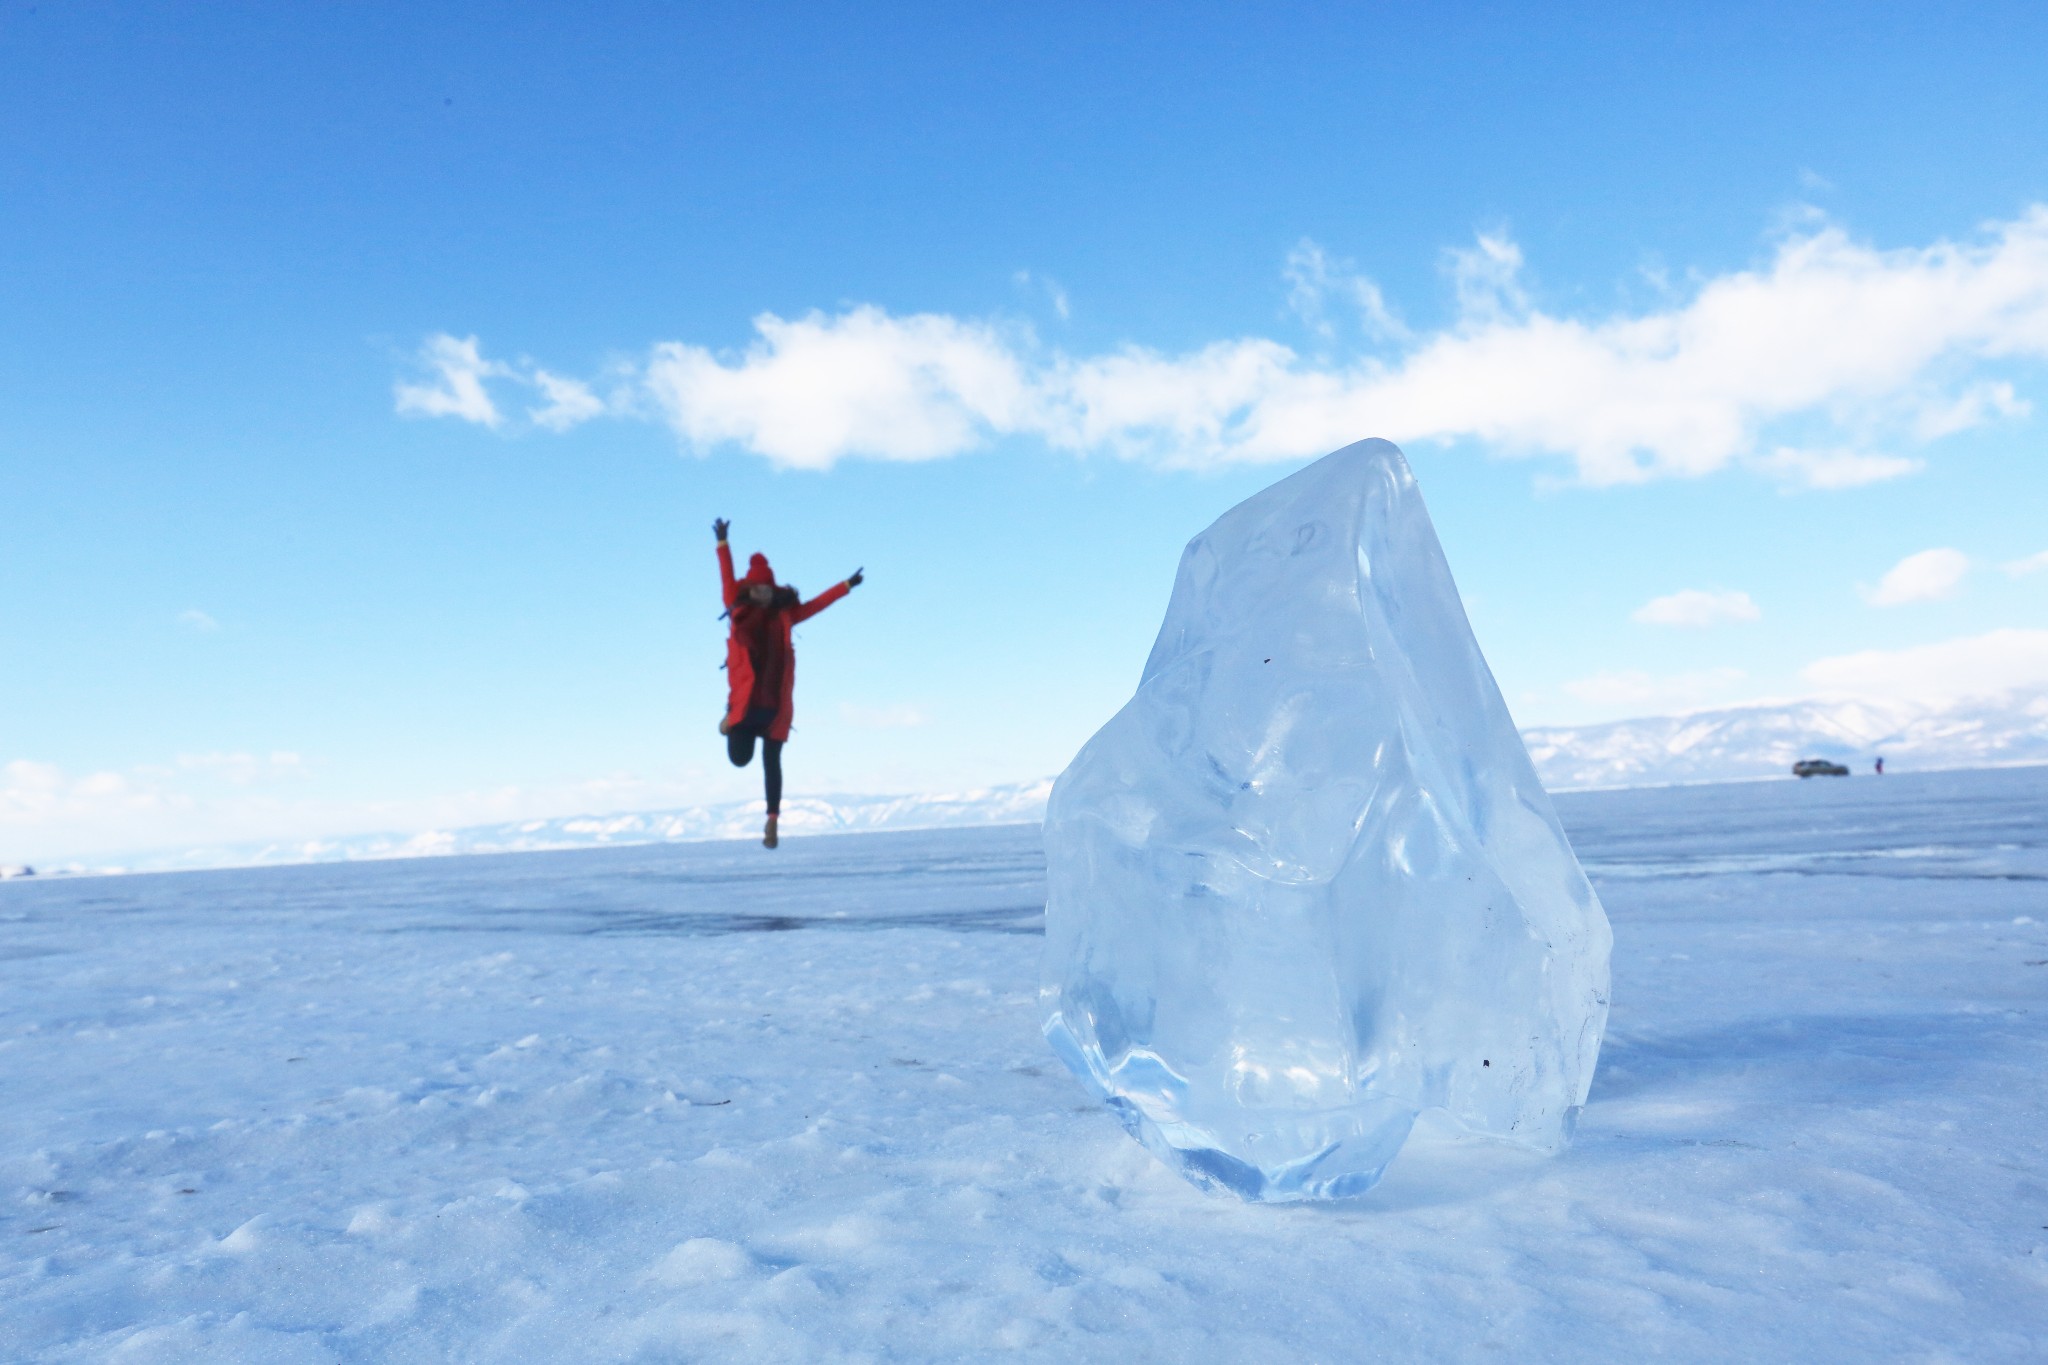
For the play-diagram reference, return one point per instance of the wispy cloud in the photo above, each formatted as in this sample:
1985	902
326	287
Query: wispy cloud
1652	692
34	793
244	769
195	619
570	402
898	717
37	797
1488	278
453	385
1697	607
455	378
1316	281
1928	576
48	813
1838	468
2033	563
1985	665
1831	337
1055	292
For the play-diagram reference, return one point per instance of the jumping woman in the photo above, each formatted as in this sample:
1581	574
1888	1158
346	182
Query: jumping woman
760	664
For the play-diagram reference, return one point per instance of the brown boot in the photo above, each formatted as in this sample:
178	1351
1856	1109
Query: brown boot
768	835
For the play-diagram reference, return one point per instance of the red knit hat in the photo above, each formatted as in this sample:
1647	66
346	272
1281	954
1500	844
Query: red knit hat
758	572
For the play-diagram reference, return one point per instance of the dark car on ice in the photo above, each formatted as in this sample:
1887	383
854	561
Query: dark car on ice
1818	767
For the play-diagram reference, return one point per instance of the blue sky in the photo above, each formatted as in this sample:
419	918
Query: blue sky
1750	306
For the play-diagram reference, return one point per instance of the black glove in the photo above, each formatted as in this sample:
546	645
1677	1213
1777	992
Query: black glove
854	581
720	527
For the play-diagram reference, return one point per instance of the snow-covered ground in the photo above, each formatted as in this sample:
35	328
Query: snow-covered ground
688	1102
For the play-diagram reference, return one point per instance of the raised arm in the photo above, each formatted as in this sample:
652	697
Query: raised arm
826	598
729	587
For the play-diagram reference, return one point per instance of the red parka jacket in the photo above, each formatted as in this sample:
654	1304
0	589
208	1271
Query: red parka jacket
746	618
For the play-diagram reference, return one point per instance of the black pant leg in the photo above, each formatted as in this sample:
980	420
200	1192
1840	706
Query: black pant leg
739	746
771	764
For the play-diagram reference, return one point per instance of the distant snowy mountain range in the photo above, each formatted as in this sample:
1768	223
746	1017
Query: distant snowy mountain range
1733	744
1743	742
1015	803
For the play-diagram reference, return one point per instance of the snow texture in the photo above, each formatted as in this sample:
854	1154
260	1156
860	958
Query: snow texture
1305	884
703	1102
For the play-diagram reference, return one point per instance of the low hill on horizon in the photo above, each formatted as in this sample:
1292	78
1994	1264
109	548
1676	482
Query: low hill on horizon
1730	744
1741	743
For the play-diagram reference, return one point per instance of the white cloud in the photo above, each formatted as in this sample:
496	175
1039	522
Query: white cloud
34	794
1314	278
814	390
1976	666
1836	338
1635	688
1973	407
1487	276
455	386
197	620
43	808
1928	576
1829	469
1697	607
50	815
25	782
570	402
1178	411
1055	292
2033	563
243	769
459	383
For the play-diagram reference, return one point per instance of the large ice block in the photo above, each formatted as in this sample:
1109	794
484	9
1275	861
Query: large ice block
1305	885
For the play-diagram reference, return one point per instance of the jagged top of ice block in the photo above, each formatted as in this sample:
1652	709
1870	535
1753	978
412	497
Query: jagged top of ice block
1336	572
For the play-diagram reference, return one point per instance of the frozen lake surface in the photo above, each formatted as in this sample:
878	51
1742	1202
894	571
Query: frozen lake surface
709	1102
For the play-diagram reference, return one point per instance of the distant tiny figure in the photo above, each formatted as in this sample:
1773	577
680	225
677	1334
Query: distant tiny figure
1880	765
760	663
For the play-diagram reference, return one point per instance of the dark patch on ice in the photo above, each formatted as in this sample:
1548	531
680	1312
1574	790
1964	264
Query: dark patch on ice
24	952
1819	865
1025	919
1015	919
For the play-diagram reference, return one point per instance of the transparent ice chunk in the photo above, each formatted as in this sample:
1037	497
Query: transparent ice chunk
1305	885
